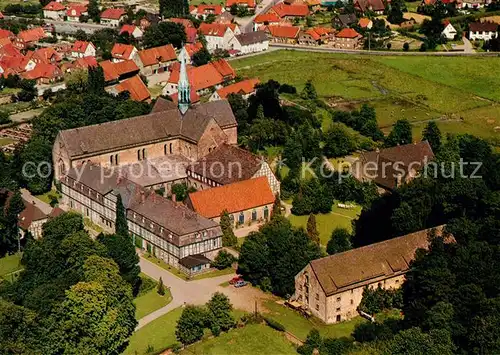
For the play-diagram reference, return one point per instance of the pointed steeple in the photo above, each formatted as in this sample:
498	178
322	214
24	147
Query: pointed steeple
184	90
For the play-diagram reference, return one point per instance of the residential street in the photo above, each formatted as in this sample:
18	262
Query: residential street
246	23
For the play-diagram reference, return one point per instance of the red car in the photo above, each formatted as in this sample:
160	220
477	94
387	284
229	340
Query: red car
235	280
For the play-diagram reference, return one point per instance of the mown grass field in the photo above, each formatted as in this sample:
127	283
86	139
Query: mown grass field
150	302
10	264
461	93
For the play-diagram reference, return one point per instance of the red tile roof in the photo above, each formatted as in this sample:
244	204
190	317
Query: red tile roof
43	70
54	6
5	33
113	14
270	17
283	10
284	31
202	77
85	62
157	55
128	29
213	29
10	51
80	46
235	197
313	34
224	68
31	35
364	22
113	71
16	64
242	87
347	33
483	26
248	3
44	55
208	9
122	51
182	21
136	87
30	213
192	48
191	34
76	10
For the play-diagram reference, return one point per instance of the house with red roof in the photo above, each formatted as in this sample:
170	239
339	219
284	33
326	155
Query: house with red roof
85	63
44	74
347	38
483	30
116	71
28	38
203	10
121	52
315	36
190	49
249	4
75	11
290	12
365	22
82	49
47	55
6	34
156	60
247	201
283	34
54	10
191	31
132	31
112	17
269	19
11	65
135	87
244	88
218	35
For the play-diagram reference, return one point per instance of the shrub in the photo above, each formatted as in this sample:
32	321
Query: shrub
406	47
274	324
223	260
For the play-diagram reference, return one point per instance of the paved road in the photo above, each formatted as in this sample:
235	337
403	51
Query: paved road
70	27
246	23
44	207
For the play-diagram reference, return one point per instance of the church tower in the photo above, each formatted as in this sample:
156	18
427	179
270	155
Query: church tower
184	90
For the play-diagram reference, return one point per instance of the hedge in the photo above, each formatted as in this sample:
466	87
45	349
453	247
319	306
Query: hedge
274	324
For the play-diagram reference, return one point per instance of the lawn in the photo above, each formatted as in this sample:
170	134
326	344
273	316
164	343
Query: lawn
157	335
214	273
10	264
300	326
45	197
326	223
249	340
418	88
150	302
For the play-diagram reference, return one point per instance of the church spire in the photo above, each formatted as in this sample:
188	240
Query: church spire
184	90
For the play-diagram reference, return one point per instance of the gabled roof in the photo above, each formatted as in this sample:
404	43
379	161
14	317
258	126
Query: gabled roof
347	33
191	261
30	214
85	62
483	26
14	64
361	266
248	38
373	5
31	35
10	50
239	196
81	46
284	31
54	6
205	76
283	10
207	9
122	51
242	87
364	22
227	164
213	29
248	3
155	126
346	19
129	29
76	10
157	55
191	34
182	21
136	87
113	71
44	55
43	70
313	34
224	68
270	17
192	48
113	14
6	33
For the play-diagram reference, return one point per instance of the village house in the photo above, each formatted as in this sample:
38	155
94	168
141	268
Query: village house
203	10
54	10
32	219
313	5
121	52
249	4
269	19
365	22
117	71
47	55
112	17
75	11
315	36
28	38
250	42
247	201
228	164
15	64
347	38
191	131
135	86
6	34
218	35
391	167
472	4
156	60
290	12
85	62
83	49
331	288
482	30
376	6
189	50
283	34
189	29
344	20
164	228
44	74
149	19
132	31
245	88
225	18
449	32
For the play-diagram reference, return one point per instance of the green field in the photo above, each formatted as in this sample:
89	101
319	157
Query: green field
10	264
452	90
249	340
300	326
150	302
326	223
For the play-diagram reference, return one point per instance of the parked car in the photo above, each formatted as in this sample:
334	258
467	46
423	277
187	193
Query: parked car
235	280
240	283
